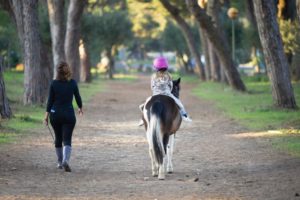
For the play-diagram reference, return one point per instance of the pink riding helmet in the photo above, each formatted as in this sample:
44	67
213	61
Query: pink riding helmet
160	63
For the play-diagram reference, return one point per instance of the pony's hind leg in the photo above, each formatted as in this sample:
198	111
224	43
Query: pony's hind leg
161	173
170	149
153	163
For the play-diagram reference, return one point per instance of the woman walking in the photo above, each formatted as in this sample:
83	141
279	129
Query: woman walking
61	113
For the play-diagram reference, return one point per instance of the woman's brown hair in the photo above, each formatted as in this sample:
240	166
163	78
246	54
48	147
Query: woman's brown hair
63	71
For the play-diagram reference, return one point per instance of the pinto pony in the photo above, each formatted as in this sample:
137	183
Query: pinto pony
162	119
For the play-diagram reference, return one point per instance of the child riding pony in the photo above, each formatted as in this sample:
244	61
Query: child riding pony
162	115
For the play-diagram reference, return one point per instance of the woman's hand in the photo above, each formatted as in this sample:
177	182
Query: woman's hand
45	121
80	111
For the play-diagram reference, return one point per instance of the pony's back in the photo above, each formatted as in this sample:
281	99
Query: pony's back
170	116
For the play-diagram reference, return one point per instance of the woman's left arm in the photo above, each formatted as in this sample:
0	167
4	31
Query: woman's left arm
78	99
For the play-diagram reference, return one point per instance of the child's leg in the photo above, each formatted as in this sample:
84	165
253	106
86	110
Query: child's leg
180	105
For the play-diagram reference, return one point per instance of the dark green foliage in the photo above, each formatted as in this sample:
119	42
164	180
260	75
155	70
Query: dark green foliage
102	32
246	35
44	25
9	47
173	39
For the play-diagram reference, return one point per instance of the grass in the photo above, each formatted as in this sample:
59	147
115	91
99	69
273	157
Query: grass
119	77
254	109
289	141
185	78
125	77
28	118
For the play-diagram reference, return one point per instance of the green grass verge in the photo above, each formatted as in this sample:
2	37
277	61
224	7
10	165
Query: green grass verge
119	77
254	109
289	141
28	118
185	78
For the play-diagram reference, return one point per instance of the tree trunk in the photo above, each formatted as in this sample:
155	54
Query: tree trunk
85	74
17	9
250	12
37	69
111	64
34	93
277	65
296	66
5	110
187	35
213	9
298	9
57	27
221	46
46	70
205	50
73	35
286	9
184	63
214	63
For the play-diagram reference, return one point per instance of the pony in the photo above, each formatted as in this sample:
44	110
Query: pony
162	119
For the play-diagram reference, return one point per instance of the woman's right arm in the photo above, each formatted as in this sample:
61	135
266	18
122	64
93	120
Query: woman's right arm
49	104
50	98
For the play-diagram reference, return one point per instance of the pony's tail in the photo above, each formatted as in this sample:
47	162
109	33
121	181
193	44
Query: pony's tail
155	131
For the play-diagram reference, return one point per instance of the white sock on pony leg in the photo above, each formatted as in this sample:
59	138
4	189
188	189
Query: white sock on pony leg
153	163
170	149
162	170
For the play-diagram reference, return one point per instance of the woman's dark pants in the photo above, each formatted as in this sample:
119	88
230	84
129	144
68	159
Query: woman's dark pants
63	122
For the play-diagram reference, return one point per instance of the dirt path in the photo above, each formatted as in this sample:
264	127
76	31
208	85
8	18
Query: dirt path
110	157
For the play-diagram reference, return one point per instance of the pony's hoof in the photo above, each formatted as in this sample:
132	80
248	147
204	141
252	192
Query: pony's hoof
170	170
161	178
154	175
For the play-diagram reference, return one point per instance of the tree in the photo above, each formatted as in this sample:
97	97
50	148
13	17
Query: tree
221	46
298	9
37	70
147	26
213	8
286	9
5	110
32	57
85	64
113	30
56	18
175	12
9	46
75	11
37	74
205	50
173	40
277	65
